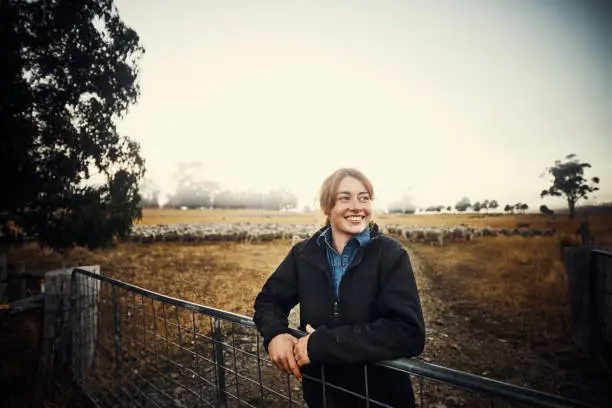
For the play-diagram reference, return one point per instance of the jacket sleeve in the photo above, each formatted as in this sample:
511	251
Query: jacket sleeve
398	332
276	299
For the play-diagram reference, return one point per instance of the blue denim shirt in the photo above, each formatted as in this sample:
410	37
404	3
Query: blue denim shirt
339	263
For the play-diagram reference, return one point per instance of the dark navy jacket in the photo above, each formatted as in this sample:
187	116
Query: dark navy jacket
377	316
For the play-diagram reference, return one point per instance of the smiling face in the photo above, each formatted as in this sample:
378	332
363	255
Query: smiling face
352	210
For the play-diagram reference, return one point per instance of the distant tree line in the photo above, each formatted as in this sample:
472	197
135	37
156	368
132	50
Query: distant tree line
568	182
192	192
464	204
518	207
272	200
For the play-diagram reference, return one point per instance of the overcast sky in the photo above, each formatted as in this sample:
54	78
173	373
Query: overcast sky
445	99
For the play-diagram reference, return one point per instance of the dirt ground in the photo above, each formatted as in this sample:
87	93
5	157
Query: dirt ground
466	336
22	384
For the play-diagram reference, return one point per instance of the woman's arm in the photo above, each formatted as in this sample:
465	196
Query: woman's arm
276	299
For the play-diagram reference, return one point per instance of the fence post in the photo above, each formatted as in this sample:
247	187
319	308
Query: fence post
70	322
580	273
219	364
602	263
56	326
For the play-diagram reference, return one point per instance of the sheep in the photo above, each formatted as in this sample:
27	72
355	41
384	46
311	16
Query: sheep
407	233
461	233
434	236
489	232
295	239
419	235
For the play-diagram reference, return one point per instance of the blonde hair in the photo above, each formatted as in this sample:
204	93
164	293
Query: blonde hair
329	188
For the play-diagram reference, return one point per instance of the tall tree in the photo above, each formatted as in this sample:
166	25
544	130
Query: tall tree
569	181
493	204
463	204
68	72
485	205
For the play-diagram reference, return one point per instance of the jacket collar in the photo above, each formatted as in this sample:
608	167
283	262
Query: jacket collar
362	239
316	255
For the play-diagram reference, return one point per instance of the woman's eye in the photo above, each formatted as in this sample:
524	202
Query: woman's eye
365	198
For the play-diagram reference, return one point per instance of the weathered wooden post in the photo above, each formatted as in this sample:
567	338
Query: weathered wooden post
70	321
582	295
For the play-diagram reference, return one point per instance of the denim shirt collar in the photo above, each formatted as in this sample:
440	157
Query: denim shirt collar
361	239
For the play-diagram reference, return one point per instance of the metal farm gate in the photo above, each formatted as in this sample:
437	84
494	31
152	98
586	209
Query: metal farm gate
129	347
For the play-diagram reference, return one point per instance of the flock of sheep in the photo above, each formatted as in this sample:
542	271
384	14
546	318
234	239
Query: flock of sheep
213	232
249	232
437	235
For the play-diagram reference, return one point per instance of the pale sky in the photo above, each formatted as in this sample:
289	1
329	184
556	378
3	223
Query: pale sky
444	98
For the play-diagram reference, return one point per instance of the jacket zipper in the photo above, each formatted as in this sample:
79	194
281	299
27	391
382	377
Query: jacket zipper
336	309
336	306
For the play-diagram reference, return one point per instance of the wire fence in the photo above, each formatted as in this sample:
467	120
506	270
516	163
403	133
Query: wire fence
131	347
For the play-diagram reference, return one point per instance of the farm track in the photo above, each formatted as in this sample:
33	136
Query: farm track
462	337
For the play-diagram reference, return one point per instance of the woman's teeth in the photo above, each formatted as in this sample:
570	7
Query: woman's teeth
354	218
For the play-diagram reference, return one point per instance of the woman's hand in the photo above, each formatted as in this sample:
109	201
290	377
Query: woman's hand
300	348
281	353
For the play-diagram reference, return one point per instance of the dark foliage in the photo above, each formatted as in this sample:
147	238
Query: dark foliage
68	71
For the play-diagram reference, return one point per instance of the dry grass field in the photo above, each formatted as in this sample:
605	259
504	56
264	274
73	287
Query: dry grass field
172	216
494	306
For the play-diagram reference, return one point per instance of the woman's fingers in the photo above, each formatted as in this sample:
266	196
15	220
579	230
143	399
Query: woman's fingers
285	364
293	366
278	363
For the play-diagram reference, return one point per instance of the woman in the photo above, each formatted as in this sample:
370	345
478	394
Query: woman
358	300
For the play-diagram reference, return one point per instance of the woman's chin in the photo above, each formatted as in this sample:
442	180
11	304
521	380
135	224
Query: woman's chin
356	228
